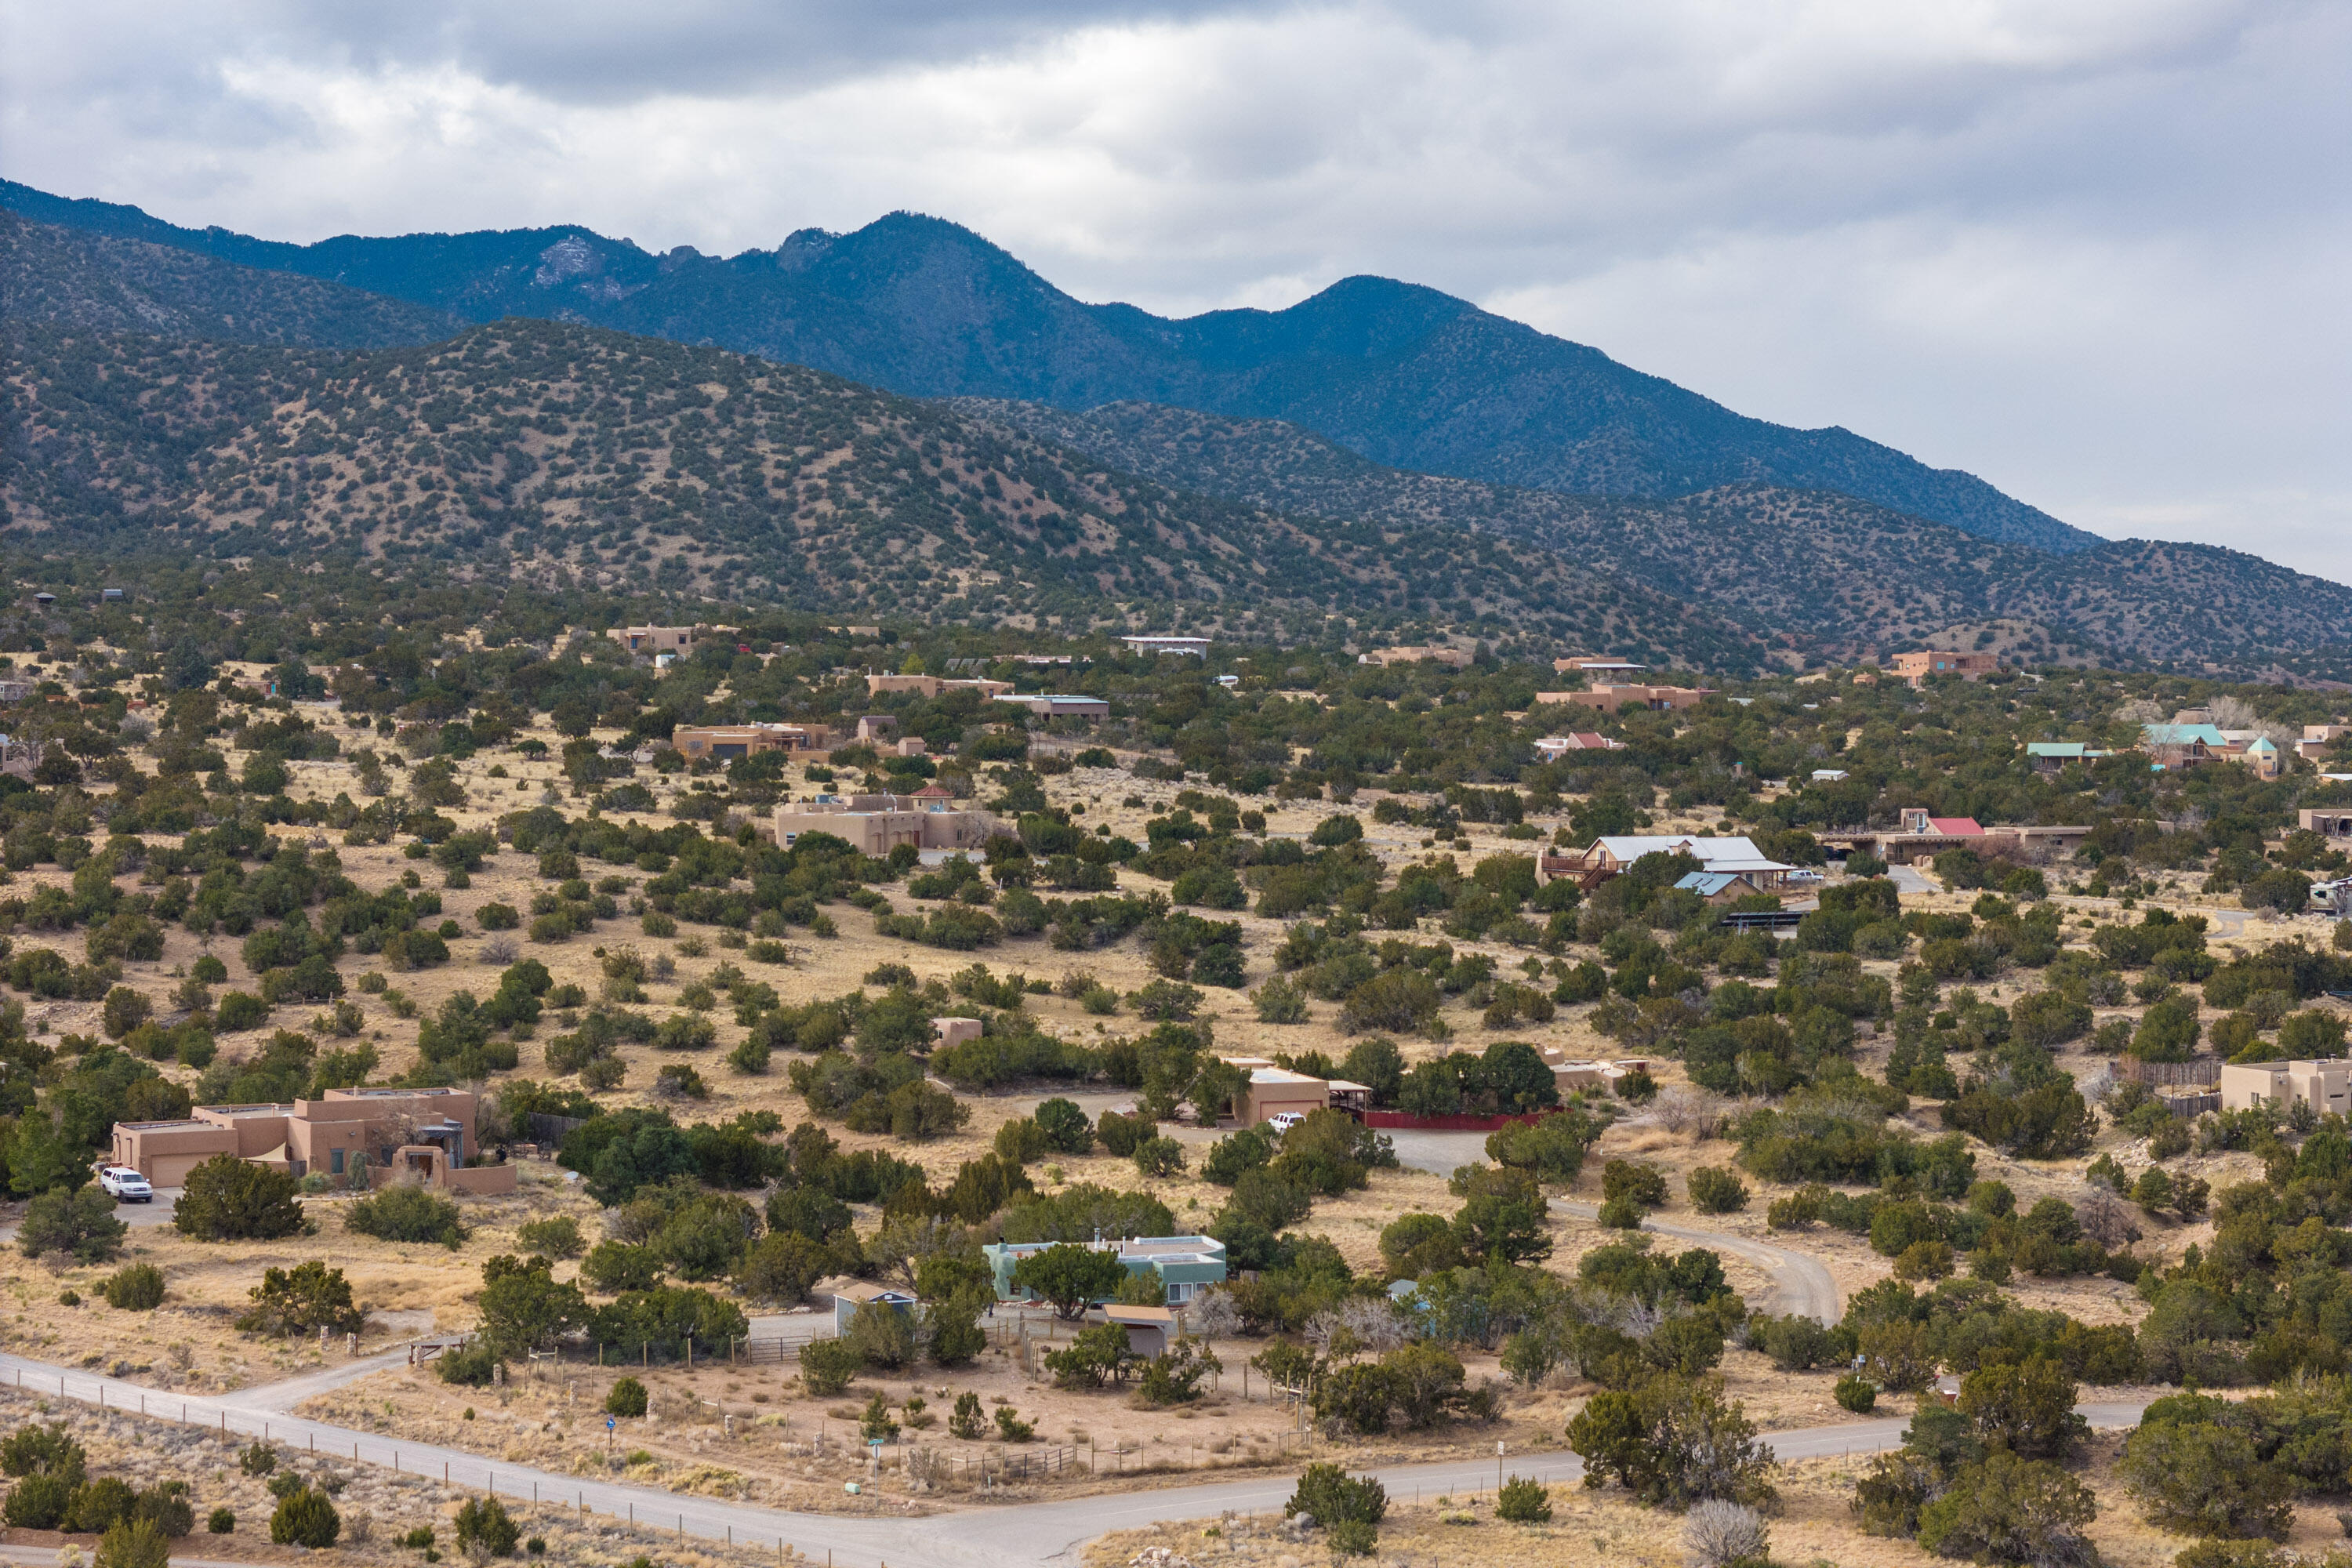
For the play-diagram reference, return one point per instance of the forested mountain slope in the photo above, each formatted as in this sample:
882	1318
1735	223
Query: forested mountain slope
1836	571
73	278
1405	374
543	447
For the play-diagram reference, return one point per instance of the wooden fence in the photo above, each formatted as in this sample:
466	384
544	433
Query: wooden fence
2200	1071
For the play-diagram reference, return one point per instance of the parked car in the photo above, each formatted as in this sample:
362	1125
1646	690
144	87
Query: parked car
1282	1122
1805	876
124	1185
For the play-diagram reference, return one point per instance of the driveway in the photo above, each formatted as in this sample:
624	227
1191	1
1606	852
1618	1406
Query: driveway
1911	879
983	1536
138	1216
1801	1284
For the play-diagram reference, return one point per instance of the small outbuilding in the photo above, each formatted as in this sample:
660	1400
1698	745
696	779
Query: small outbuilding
1149	1330
849	1298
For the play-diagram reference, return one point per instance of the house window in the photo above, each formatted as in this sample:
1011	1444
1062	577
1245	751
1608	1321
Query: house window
335	1162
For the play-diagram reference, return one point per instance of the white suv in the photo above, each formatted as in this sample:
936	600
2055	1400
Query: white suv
124	1185
1283	1121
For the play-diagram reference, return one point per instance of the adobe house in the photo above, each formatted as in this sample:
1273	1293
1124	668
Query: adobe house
1915	668
2329	822
876	824
1273	1090
657	640
725	742
2322	1086
2318	738
1612	699
419	1134
933	686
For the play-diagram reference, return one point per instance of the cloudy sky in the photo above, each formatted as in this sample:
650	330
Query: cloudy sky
2093	250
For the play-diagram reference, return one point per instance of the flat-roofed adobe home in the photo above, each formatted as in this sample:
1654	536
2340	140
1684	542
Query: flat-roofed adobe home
934	685
725	742
875	825
418	1135
1915	668
658	639
1275	1091
1615	698
2325	1086
2318	738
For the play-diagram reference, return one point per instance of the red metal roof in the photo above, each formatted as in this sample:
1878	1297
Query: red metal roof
1954	826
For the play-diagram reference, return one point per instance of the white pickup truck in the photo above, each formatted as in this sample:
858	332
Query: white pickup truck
124	1185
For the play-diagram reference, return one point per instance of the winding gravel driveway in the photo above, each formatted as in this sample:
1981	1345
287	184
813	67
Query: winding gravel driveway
1801	1283
976	1536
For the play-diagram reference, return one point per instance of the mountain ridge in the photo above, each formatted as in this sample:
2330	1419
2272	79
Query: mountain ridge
1849	577
922	306
549	450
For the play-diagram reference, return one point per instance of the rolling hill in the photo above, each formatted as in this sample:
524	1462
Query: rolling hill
1843	575
544	450
145	376
71	278
1403	374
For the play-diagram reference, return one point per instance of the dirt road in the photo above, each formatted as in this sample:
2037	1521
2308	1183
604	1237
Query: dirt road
978	1536
1801	1284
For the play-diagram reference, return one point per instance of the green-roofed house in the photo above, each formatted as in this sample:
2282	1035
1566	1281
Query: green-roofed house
1187	1265
2176	746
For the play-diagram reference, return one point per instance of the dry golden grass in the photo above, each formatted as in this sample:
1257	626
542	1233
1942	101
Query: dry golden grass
1813	1528
208	1283
377	1506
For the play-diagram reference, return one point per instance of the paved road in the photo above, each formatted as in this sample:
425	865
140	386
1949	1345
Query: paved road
1801	1284
981	1536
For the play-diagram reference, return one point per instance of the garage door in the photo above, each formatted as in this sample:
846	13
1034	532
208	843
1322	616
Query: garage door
172	1170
